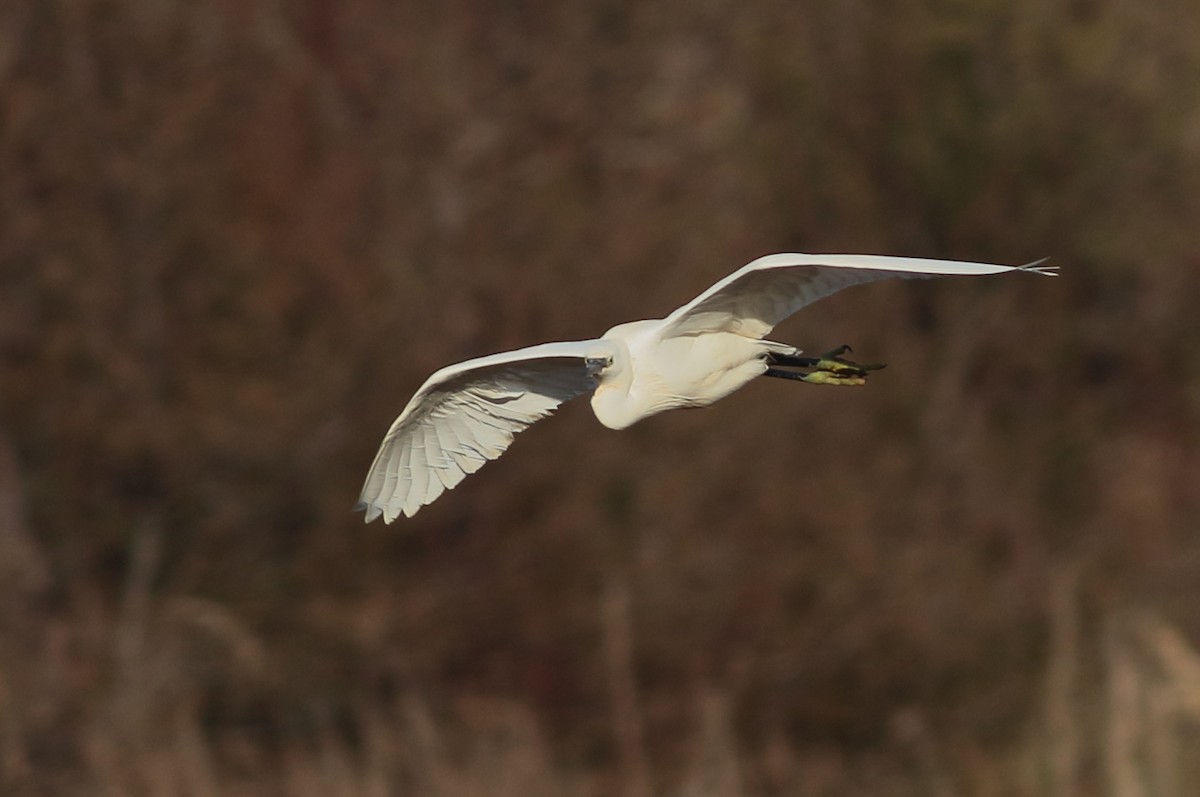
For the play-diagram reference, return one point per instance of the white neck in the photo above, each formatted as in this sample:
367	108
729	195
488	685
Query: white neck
611	401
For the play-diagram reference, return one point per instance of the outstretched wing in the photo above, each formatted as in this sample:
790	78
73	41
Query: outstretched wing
465	415
759	295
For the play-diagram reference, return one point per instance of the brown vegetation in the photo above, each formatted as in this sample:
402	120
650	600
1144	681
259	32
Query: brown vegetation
235	236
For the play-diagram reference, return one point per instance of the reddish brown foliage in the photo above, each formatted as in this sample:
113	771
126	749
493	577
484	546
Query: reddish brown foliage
234	237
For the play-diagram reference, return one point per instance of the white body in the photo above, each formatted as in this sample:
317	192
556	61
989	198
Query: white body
654	373
467	413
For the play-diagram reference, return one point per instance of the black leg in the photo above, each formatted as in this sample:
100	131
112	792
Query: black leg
810	362
779	373
792	359
828	369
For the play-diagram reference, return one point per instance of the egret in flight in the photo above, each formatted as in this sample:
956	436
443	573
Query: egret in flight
467	413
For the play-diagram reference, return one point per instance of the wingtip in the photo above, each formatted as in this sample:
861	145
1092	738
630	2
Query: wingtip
372	511
1036	267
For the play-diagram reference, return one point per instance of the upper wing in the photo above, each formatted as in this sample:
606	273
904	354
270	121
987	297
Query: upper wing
465	415
759	295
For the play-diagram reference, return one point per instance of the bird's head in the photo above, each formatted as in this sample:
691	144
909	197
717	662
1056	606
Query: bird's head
599	359
598	364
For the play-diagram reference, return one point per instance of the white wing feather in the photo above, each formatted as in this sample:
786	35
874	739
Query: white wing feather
463	416
759	295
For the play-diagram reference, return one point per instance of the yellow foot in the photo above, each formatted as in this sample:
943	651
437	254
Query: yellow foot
831	378
833	369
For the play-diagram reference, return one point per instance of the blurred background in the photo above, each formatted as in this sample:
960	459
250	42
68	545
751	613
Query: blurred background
236	236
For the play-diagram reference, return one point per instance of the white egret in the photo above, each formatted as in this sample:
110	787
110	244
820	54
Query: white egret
467	413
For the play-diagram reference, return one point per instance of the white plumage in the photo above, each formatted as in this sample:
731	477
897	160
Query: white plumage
467	413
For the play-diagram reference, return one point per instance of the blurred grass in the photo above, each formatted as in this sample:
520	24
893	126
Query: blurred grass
235	237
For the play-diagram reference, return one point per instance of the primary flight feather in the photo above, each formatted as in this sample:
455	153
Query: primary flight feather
467	413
